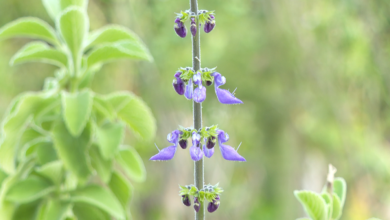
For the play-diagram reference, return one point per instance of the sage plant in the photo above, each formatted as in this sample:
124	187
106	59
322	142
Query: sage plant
191	82
61	150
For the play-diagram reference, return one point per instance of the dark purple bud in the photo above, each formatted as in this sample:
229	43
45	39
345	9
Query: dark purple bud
210	24
178	84
209	83
180	28
211	142
193	27
186	200
213	206
183	143
196	204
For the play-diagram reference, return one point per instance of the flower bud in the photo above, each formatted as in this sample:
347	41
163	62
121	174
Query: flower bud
180	28
209	83
183	143
178	84
211	142
193	26
186	200
196	204
210	24
213	206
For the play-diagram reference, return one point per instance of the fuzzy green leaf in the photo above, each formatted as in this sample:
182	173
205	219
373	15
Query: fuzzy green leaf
29	190
102	166
313	204
112	34
72	150
40	52
340	189
45	152
119	50
29	27
109	136
101	106
337	208
132	164
122	188
77	109
101	198
25	211
89	212
53	209
52	171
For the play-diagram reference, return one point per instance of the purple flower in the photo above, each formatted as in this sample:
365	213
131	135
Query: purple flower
168	152
196	204
210	24
208	152
195	151
200	92
213	206
228	153
186	200
180	28
189	89
193	26
183	144
178	84
224	96
210	142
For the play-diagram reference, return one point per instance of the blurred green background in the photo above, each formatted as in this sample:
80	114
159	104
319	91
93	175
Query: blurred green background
315	79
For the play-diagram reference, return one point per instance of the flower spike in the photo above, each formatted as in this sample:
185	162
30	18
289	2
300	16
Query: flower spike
224	96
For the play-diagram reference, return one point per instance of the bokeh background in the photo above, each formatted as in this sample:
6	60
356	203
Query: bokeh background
315	79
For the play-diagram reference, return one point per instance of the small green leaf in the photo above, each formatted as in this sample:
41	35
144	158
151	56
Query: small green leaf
29	190
337	208
102	166
109	136
77	109
132	164
101	198
112	34
25	211
53	209
135	113
72	150
45	152
3	176
116	51
103	107
340	189
7	209
88	212
29	27
121	188
52	171
329	203
67	3
313	204
40	52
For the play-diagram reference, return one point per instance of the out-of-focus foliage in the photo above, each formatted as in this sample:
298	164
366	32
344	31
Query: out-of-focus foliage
315	79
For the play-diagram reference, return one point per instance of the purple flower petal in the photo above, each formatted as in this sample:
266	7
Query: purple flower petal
196	153
196	204
229	153
222	136
193	27
208	152
180	28
199	94
165	154
195	139
189	89
178	84
173	137
223	95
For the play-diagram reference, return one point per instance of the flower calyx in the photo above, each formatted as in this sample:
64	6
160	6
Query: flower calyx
210	193
207	18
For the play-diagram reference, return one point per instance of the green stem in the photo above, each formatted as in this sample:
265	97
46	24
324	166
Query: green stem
197	108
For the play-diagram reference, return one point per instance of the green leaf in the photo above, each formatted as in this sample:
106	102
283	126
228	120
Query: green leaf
80	3
45	153
3	176
88	212
76	110
101	198
122	189
329	203
340	189
119	50
53	209
135	113
72	150
112	34
337	208
102	166
73	25
25	211
52	171
7	210
103	107
29	27
132	164
29	190
313	204
109	136
40	52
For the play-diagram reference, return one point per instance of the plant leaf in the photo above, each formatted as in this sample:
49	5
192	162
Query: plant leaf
112	34
313	204
29	27
337	208
29	190
76	110
72	150
340	189
103	107
40	52
119	50
122	189
102	166
52	171
135	113
109	136
53	209
88	212
25	211
45	153
101	198
132	164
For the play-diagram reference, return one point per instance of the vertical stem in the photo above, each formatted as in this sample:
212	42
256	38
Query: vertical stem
197	107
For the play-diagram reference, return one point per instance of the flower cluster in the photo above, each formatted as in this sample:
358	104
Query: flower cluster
209	192
186	80
204	17
209	135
